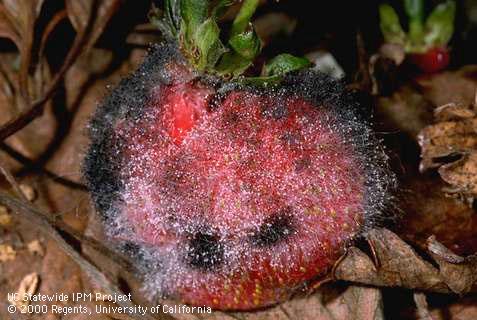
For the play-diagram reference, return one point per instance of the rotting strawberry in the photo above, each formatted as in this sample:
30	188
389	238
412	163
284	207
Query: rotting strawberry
231	192
425	42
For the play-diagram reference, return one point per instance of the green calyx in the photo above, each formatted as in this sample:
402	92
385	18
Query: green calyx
194	25
422	34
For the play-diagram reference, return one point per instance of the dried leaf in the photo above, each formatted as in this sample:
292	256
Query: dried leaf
27	286
406	110
28	191
459	273
5	218
17	19
7	253
7	28
21	16
333	302
462	175
82	13
398	265
428	211
451	144
35	248
450	86
359	303
79	13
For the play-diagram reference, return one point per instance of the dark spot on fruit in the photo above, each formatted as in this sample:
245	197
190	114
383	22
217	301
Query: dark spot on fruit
204	251
231	118
131	248
215	101
302	163
134	250
289	138
274	229
275	111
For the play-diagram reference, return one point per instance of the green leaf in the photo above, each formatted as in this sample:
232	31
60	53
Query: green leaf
173	14
390	25
245	48
242	19
167	20
285	63
208	43
194	13
247	44
233	65
414	8
220	8
415	11
440	24
262	81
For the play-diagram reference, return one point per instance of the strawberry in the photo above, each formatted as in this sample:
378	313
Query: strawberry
426	41
434	60
227	191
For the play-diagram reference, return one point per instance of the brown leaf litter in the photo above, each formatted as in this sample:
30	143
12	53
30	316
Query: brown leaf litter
451	146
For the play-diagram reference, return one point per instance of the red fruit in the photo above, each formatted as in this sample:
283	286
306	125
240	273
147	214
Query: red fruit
227	195
184	106
434	60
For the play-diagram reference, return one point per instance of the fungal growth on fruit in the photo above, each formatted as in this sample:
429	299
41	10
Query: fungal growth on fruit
228	191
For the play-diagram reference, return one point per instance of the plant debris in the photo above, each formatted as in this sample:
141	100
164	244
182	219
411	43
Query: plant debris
451	146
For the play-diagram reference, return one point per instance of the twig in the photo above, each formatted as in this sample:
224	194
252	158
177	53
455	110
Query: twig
57	18
362	77
6	173
26	56
28	162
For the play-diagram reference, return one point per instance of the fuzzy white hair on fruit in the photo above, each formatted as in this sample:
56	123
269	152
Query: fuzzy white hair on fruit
163	205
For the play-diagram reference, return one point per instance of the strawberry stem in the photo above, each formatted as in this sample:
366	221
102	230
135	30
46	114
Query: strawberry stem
242	20
423	35
193	24
415	11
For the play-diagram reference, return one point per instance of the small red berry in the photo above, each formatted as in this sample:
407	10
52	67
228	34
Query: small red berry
433	60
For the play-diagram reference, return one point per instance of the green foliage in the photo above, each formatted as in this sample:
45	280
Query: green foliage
423	34
193	23
390	25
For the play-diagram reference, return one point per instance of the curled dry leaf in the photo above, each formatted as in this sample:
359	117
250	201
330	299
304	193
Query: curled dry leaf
27	286
35	248
451	145
19	24
17	20
28	191
91	15
7	253
5	218
397	264
459	273
7	27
